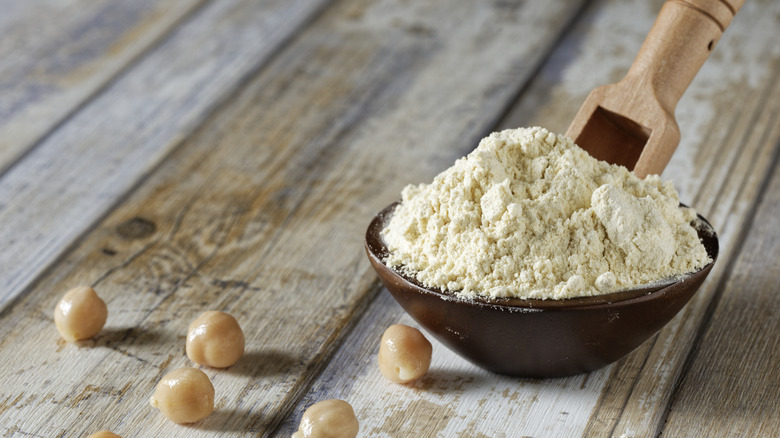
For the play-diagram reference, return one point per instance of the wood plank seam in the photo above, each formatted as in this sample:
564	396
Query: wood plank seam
46	271
356	272
735	374
764	101
321	360
523	87
207	112
302	387
615	374
729	271
218	245
720	148
108	82
733	246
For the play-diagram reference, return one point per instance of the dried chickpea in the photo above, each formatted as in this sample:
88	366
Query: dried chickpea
185	395
328	419
404	354
104	434
80	314
215	339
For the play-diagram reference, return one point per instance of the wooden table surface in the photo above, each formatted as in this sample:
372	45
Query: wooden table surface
185	155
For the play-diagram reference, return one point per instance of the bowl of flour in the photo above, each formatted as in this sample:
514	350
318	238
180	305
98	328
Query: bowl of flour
531	258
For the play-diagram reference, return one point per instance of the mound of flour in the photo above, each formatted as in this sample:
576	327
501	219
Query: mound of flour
528	214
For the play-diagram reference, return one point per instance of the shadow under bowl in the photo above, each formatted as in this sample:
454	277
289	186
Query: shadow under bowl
540	338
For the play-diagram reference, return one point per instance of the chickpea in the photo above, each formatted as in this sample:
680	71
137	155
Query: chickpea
404	354
215	339
104	434
80	314
328	419
185	395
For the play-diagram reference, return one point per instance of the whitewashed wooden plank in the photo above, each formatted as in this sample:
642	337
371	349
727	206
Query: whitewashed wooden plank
454	399
55	55
539	108
111	397
731	388
727	119
759	140
262	212
81	169
729	167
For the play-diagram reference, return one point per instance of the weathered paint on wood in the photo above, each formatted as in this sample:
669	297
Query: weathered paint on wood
261	213
732	385
728	119
107	147
637	390
261	210
454	399
56	55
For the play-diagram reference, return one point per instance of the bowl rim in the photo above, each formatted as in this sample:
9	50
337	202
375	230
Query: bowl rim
377	250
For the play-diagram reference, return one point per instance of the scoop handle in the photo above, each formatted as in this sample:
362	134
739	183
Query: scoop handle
681	39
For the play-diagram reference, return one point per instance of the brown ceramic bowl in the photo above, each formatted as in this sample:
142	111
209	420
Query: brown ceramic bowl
540	338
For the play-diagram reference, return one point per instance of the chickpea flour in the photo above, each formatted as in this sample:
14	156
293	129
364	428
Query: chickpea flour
529	214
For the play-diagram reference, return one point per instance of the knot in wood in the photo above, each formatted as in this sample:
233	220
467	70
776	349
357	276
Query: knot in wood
136	228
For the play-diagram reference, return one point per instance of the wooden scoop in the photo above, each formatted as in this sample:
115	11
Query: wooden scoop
632	122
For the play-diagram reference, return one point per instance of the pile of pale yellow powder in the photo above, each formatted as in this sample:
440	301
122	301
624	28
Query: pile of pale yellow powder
528	214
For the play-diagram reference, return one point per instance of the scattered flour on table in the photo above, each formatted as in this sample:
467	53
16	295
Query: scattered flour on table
529	214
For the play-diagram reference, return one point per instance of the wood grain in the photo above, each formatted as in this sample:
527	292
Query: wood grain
731	387
728	120
245	180
261	214
632	122
454	399
727	195
108	146
56	55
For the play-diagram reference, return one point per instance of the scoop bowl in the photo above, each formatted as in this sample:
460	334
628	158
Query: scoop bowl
540	338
